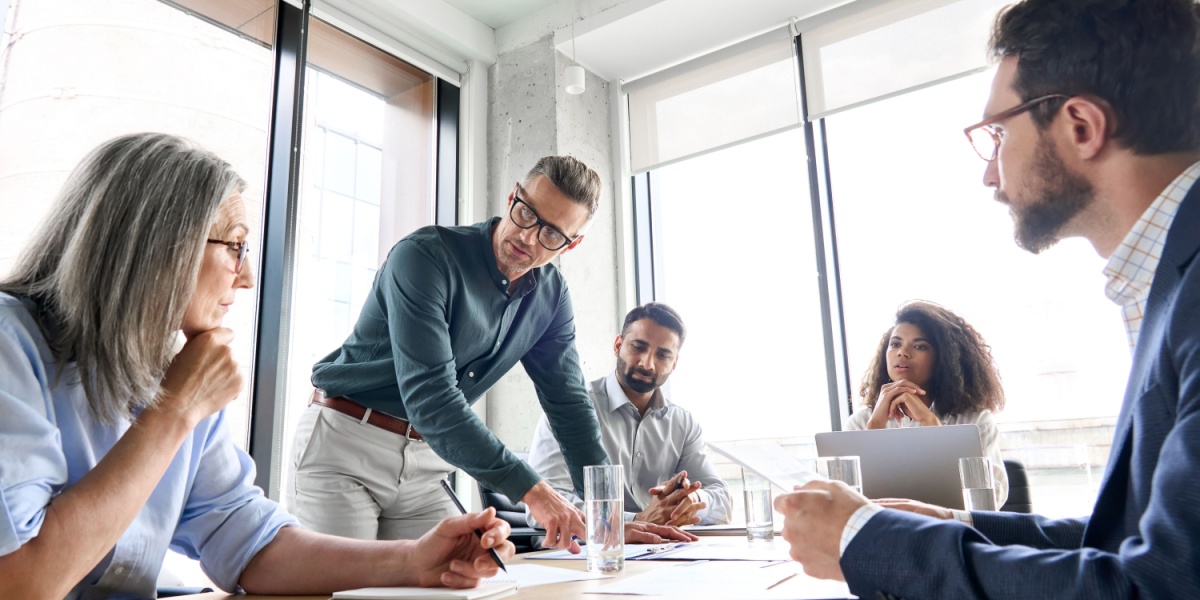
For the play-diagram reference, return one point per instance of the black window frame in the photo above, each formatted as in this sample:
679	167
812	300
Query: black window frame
648	266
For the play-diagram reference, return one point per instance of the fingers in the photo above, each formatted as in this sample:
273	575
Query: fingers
464	574
221	335
638	533
658	532
495	530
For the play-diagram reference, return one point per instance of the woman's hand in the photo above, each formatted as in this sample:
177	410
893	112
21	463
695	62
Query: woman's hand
452	555
898	399
202	378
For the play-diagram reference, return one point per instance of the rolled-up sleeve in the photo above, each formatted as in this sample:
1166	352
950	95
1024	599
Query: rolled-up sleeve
32	465
226	520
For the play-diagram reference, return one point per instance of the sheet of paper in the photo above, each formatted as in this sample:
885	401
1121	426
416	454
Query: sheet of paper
714	579
723	530
767	459
775	550
528	576
486	590
632	552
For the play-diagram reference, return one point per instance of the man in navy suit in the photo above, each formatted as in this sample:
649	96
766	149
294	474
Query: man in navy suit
1092	131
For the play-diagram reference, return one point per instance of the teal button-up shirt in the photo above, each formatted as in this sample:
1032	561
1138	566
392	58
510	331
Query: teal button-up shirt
439	328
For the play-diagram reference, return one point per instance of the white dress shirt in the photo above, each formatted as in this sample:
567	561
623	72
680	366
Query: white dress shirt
652	448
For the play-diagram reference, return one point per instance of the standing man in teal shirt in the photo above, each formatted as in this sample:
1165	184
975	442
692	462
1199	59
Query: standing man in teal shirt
451	311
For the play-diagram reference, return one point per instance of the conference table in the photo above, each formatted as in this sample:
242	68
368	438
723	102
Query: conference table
792	582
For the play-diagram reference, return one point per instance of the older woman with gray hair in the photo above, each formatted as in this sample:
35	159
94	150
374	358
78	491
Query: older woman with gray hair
114	447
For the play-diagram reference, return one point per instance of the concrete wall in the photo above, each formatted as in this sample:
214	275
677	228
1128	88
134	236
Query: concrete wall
530	116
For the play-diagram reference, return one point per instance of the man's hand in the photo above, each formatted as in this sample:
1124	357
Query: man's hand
559	517
921	508
649	533
673	502
813	519
452	555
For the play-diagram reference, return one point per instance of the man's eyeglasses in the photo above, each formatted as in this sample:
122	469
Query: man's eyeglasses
985	137
525	217
240	248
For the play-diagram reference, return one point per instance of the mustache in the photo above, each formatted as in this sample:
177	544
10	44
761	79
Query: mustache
1001	197
521	245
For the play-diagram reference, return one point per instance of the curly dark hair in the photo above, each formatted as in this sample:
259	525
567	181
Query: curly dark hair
964	377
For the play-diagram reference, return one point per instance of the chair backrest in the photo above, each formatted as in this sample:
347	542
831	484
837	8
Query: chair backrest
1019	497
525	538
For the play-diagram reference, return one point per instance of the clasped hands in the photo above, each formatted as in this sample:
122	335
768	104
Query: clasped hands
899	399
674	502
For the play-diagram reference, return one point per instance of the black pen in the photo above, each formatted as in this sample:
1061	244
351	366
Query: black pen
463	510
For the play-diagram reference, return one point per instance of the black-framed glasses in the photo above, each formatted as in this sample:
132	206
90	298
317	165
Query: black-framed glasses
241	248
523	215
985	138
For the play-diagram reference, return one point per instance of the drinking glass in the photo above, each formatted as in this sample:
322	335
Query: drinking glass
604	508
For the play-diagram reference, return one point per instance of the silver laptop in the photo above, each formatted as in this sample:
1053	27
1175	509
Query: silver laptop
919	463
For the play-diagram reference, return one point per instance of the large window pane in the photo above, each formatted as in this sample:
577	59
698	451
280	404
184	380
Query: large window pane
734	245
367	180
75	73
914	221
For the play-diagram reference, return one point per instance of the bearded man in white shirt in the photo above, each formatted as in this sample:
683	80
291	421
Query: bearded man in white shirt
669	479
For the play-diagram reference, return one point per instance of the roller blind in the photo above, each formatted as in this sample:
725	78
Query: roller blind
870	50
740	93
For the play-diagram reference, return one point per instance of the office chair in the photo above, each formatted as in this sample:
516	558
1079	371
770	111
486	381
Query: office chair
1019	498
525	538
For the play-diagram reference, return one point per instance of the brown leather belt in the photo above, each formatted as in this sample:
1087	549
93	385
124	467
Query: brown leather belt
383	421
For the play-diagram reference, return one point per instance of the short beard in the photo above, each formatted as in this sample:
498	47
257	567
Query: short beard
625	372
1060	196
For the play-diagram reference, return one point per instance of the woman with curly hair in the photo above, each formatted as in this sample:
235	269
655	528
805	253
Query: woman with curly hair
932	368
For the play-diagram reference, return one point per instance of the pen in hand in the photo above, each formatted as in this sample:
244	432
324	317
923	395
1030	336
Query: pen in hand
463	510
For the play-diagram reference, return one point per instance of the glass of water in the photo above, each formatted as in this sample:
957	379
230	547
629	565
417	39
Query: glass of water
845	469
977	483
760	516
604	509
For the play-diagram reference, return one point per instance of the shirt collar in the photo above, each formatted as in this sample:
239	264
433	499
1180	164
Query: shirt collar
526	283
1130	270
617	397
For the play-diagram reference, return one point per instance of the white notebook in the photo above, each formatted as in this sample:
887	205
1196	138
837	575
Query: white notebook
486	590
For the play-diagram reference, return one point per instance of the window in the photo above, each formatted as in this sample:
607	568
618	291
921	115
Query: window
914	221
75	73
734	254
367	181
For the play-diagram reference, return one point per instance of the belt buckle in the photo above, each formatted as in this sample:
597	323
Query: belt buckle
408	430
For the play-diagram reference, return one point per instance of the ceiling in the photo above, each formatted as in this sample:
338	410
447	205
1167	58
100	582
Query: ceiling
498	13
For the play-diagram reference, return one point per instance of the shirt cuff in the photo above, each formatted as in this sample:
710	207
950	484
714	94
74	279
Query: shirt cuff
857	521
964	516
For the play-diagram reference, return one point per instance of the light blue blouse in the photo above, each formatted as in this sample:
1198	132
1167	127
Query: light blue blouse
205	506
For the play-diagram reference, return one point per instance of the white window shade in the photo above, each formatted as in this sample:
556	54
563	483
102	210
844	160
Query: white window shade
737	94
868	51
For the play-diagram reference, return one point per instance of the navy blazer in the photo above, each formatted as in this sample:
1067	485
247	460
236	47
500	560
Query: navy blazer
1143	538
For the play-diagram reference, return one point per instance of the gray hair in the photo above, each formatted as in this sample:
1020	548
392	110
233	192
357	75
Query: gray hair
114	265
573	178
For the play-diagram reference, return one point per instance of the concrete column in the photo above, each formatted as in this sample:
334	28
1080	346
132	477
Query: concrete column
530	115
